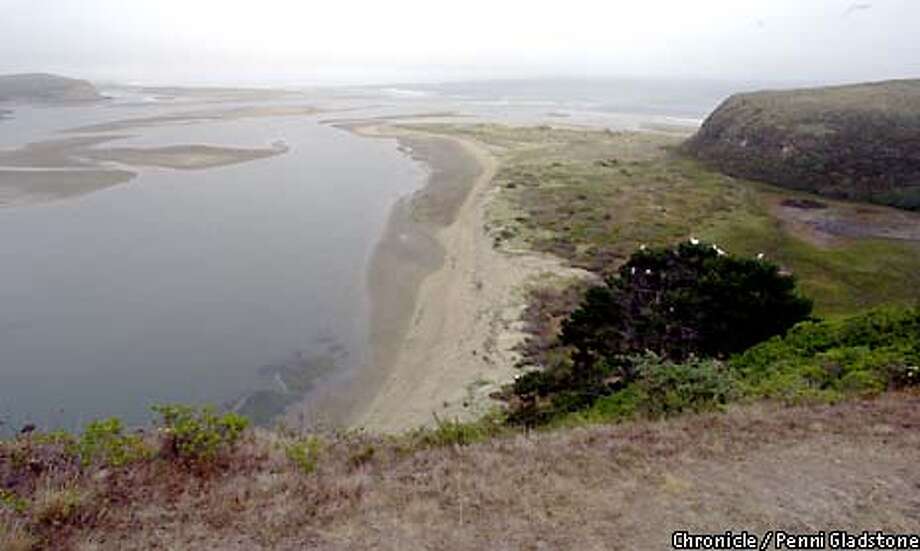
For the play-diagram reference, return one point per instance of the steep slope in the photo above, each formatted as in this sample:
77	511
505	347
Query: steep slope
856	142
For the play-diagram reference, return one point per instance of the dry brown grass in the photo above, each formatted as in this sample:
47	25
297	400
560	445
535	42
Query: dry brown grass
15	537
850	465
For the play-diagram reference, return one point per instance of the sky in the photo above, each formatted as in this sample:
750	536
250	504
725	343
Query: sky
357	42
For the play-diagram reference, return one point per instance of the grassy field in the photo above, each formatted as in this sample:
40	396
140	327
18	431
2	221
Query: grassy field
593	197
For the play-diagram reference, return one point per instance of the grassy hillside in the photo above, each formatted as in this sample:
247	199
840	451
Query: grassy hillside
624	486
46	88
856	142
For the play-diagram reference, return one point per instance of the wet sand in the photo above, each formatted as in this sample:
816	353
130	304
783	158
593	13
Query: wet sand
61	169
184	157
68	167
193	117
25	187
445	305
210	94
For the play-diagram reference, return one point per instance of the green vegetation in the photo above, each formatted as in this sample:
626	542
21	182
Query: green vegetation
854	142
845	276
816	361
305	453
662	388
456	433
693	300
826	360
105	442
592	198
198	434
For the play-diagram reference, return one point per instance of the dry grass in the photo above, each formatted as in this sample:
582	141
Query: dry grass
15	537
850	465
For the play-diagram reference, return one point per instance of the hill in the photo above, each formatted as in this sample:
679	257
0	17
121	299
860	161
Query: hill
40	87
853	142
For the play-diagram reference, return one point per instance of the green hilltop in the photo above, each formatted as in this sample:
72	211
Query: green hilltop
857	141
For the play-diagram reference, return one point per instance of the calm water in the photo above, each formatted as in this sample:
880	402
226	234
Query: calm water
184	286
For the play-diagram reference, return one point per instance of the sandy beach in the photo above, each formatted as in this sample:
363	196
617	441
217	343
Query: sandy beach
445	305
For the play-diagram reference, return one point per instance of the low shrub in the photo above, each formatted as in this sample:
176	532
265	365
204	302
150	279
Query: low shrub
198	434
661	388
456	432
669	388
864	354
104	442
305	453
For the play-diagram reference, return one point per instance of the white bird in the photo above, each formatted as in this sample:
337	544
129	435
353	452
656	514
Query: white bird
648	272
694	241
760	256
642	247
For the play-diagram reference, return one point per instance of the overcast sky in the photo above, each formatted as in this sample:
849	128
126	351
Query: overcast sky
304	41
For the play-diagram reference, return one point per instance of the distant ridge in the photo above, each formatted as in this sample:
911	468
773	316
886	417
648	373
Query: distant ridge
46	88
857	141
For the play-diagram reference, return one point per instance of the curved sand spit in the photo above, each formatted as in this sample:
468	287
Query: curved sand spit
461	322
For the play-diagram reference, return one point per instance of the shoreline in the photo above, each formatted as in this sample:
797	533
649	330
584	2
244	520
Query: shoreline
445	305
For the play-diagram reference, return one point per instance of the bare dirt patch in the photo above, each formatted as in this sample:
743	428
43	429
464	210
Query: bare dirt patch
827	223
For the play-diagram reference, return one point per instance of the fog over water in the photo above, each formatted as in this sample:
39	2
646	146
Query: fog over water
360	41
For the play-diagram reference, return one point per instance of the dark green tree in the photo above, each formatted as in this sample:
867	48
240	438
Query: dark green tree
693	299
689	301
